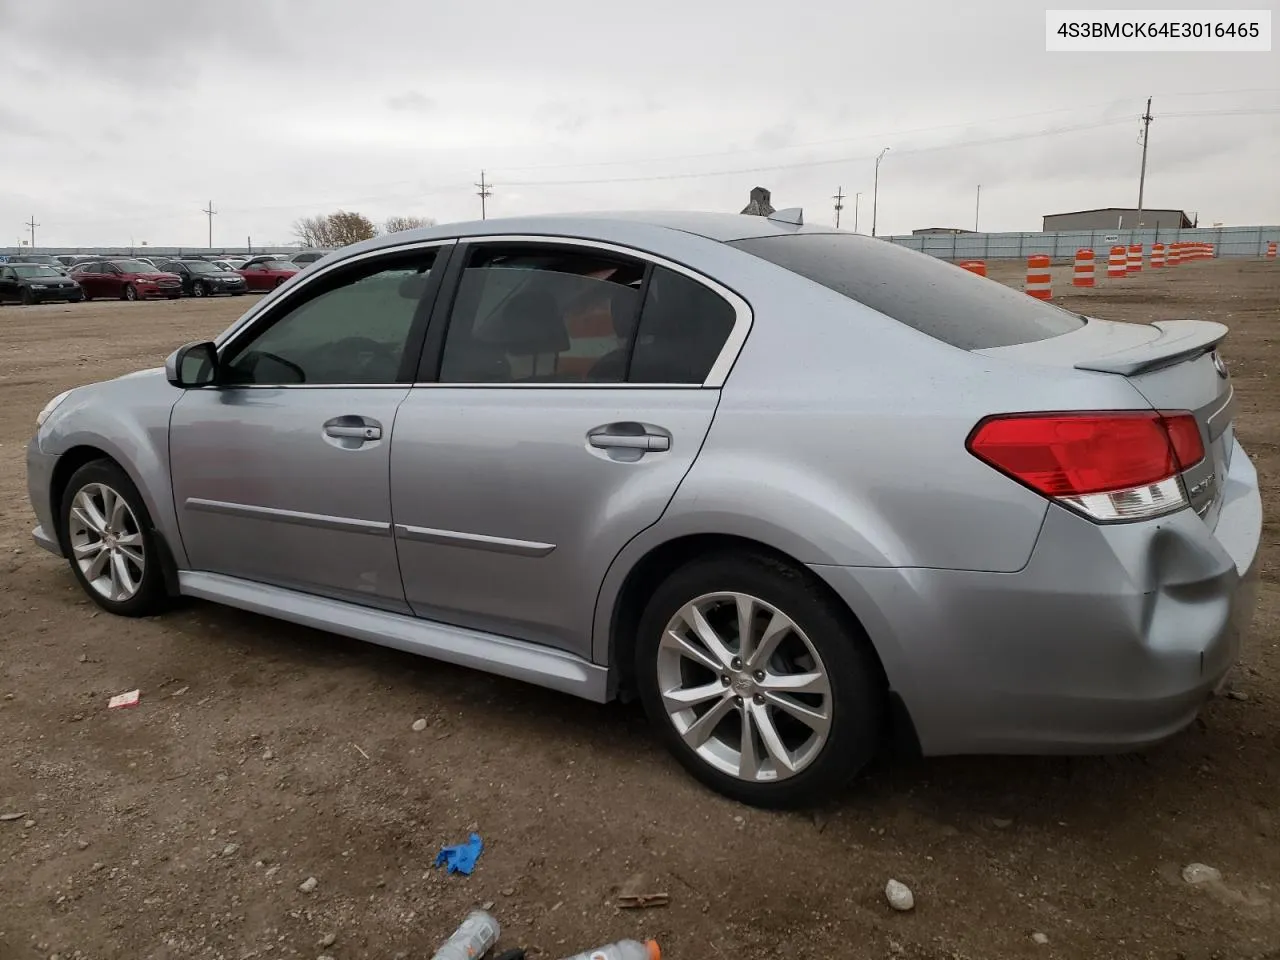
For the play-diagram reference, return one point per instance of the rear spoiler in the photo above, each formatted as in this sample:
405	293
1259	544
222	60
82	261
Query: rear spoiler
1179	340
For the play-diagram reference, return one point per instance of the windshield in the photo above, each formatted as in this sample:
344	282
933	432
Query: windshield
34	270
202	266
923	292
134	266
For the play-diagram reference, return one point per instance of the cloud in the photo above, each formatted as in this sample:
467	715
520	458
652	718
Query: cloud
296	114
411	101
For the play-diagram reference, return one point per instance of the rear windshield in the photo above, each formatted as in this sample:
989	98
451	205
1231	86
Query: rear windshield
931	295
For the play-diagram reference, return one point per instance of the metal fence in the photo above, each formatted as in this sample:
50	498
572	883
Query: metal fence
1062	245
146	251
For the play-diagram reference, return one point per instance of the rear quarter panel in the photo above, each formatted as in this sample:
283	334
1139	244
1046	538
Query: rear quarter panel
840	440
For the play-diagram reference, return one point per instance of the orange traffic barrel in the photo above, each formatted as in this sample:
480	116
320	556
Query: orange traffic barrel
1134	263
1271	250
1157	255
1039	281
974	266
1117	264
1175	255
1082	275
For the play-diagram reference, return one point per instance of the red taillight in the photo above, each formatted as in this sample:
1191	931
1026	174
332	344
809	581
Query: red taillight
1184	434
1120	465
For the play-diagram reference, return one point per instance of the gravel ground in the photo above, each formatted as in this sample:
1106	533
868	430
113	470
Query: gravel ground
263	755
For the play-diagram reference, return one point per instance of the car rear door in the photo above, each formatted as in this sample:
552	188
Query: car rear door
566	393
110	281
281	470
8	284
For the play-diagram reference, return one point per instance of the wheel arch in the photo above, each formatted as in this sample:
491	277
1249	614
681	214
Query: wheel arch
656	564
72	460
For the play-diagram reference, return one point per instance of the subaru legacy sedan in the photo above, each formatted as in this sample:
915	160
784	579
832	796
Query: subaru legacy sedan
801	491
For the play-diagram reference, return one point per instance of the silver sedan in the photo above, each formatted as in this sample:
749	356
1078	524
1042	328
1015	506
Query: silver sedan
801	491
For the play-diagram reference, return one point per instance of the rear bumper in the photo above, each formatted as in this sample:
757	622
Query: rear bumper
1111	638
39	482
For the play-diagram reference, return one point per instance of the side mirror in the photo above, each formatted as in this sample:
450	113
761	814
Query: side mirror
192	365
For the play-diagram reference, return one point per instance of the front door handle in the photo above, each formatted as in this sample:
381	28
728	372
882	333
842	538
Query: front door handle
353	428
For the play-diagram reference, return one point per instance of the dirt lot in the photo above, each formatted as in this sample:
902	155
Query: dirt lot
264	754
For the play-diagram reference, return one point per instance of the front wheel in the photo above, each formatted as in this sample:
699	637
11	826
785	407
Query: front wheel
199	290
110	543
130	292
279	280
759	682
28	298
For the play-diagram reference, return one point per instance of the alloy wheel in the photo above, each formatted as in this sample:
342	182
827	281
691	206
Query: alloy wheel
106	542
198	290
744	687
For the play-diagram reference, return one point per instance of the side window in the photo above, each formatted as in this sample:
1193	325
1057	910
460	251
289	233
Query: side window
532	314
682	329
349	328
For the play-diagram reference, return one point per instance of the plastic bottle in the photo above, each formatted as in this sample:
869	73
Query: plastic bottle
622	950
472	939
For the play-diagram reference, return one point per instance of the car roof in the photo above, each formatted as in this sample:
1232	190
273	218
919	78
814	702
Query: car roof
628	226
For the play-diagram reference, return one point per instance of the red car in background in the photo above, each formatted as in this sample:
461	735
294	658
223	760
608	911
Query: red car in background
125	279
262	275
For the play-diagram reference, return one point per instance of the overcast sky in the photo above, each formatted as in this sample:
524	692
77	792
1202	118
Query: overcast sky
119	121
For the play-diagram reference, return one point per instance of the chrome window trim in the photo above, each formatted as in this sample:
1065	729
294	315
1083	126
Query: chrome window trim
716	376
229	337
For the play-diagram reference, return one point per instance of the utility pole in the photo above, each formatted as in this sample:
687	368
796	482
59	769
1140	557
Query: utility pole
1142	177
484	193
31	225
857	197
209	212
839	199
977	203
875	192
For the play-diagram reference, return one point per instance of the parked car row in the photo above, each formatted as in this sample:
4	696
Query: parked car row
140	278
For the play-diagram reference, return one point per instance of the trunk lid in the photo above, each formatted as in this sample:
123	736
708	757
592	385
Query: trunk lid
1174	365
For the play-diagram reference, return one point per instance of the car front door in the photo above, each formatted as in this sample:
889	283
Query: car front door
573	387
281	469
109	281
8	284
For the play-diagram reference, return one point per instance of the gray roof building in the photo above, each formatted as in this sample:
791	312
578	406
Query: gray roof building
1116	218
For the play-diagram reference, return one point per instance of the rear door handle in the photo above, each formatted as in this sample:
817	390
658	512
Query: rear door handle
629	441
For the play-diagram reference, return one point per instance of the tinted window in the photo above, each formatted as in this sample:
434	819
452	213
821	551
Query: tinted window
539	315
134	266
683	328
35	270
930	295
201	266
352	328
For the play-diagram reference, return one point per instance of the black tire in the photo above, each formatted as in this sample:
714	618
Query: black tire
279	280
130	292
198	289
87	296
28	298
151	596
857	701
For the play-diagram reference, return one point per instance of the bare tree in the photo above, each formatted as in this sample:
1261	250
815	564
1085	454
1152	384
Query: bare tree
312	231
335	229
400	224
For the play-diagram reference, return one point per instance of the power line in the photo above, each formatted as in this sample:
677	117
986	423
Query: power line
839	199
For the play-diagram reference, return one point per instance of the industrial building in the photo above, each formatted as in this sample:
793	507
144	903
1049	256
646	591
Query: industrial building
939	231
1117	218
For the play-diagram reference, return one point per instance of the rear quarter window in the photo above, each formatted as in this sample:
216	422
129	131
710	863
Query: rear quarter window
923	292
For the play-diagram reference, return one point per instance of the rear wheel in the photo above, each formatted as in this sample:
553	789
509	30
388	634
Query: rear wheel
110	543
763	687
130	292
